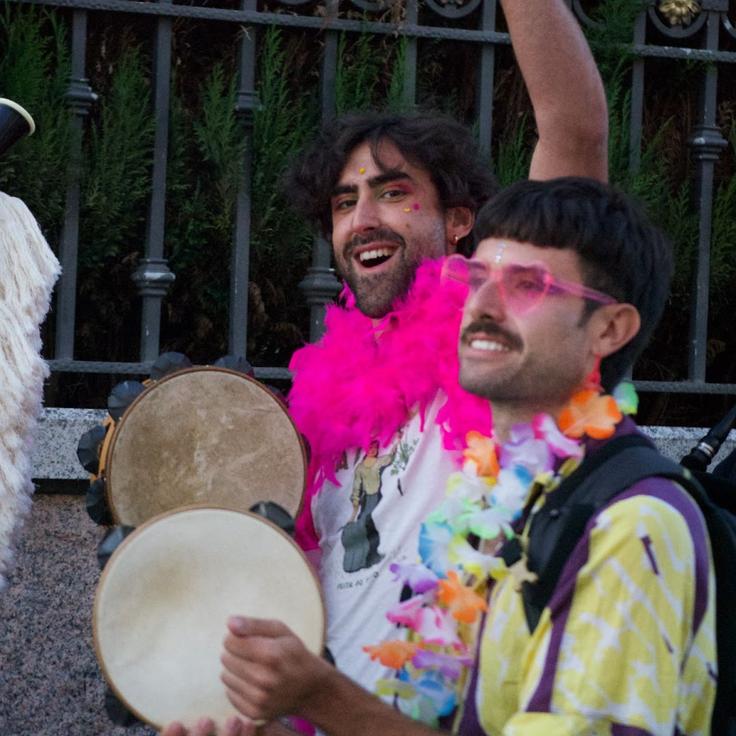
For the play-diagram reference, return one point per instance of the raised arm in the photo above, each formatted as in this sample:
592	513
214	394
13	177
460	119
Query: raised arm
565	88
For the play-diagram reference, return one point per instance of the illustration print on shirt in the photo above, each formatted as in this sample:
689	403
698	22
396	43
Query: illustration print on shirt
360	537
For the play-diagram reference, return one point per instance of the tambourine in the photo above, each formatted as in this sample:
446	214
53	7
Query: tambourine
166	593
201	435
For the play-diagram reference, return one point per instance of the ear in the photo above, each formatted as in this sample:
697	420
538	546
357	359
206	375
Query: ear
458	223
613	326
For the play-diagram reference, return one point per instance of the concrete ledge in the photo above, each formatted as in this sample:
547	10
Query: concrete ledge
55	447
59	430
676	442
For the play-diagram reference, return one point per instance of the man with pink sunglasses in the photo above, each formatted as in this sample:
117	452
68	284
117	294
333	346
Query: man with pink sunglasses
567	284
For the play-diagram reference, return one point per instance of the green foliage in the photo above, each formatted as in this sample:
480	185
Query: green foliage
207	151
116	178
370	73
282	125
395	96
611	36
358	68
205	164
514	153
723	248
34	71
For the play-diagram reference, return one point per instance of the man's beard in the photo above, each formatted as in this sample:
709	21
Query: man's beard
376	294
538	379
497	386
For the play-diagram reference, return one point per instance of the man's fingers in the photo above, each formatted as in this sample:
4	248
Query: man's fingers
244	626
251	695
263	650
235	726
204	727
174	729
245	706
237	665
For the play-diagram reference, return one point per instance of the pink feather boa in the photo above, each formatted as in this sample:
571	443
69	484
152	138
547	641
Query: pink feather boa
362	382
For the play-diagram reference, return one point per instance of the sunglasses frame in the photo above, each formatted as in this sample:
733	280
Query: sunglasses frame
552	285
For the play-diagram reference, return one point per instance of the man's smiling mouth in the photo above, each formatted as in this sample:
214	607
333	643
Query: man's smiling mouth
372	257
488	337
479	343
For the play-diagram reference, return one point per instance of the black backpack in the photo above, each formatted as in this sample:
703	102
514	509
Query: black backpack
559	525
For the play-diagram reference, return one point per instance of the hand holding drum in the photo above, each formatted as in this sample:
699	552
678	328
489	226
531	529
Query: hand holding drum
201	435
165	597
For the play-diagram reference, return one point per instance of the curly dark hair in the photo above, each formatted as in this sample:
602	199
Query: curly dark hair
434	142
621	252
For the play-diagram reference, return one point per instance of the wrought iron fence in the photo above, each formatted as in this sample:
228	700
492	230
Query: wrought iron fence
684	31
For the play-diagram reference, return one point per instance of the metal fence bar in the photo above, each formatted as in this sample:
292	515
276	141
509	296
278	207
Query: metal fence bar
320	286
637	96
80	98
135	7
486	76
144	368
245	106
707	143
153	276
409	91
256	17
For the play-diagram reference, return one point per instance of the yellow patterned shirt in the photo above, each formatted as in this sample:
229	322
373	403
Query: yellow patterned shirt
626	645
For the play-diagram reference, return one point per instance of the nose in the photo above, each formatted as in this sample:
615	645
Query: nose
487	301
365	214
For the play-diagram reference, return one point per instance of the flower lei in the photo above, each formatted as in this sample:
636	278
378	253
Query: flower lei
482	503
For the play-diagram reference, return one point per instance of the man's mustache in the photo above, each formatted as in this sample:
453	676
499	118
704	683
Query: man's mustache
491	329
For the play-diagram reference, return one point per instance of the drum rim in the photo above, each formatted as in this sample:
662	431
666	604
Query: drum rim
135	533
175	374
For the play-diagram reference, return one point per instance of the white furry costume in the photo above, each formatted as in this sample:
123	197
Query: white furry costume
28	270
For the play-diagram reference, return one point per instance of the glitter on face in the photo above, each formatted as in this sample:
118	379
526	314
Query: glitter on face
407	209
499	253
361	170
415	206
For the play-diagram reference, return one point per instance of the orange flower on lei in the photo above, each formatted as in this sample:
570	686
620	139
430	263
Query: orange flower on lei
394	654
590	413
463	603
481	451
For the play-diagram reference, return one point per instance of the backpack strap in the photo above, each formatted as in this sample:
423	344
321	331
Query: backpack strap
559	525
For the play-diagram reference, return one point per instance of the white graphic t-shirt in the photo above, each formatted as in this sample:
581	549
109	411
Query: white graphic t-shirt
370	520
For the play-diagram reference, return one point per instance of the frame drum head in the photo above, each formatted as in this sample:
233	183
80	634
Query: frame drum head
164	598
203	436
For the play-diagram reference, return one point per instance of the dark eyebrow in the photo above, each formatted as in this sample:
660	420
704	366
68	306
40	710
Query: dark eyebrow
373	182
343	189
387	176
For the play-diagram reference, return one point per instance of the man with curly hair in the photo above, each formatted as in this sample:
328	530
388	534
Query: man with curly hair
394	194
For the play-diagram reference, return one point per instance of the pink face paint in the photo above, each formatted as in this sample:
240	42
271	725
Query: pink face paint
415	206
